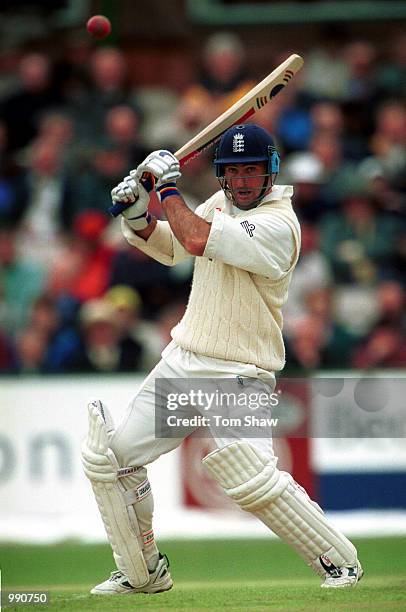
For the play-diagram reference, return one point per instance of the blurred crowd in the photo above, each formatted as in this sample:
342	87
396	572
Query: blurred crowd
74	297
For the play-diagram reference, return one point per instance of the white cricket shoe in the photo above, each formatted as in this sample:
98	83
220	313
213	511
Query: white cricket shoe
341	577
160	580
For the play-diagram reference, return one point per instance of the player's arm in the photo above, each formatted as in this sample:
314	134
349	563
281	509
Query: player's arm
143	231
190	229
260	243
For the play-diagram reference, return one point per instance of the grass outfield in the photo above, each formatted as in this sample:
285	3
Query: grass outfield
209	575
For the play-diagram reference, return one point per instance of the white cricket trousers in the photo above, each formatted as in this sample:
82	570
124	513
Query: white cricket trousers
134	442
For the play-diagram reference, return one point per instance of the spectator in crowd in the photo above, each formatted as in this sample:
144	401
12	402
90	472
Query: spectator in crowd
392	73
326	72
304	345
31	349
57	128
358	242
224	76
103	349
391	302
7	354
71	76
12	192
109	87
45	343
329	120
82	268
46	213
21	282
127	307
385	347
316	340
99	167
189	117
340	174
361	96
337	342
361	309
356	308
36	94
306	172
388	143
122	131
360	56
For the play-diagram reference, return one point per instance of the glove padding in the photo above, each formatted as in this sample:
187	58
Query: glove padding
162	164
131	190
126	191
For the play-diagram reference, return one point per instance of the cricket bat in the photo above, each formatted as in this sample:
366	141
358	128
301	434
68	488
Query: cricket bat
240	112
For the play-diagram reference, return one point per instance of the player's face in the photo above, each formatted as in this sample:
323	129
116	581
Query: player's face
246	182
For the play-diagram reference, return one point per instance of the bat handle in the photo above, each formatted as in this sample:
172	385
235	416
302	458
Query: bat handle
147	180
118	207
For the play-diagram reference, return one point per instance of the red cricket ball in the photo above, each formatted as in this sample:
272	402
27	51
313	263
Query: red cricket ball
99	26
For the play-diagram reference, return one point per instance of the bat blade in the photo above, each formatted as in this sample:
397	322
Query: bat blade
243	109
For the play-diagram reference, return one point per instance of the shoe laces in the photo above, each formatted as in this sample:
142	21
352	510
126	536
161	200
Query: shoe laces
335	573
116	575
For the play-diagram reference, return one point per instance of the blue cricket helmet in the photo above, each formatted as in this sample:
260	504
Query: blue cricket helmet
243	144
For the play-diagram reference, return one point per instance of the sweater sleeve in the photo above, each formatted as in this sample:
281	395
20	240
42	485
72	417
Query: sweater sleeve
260	243
162	245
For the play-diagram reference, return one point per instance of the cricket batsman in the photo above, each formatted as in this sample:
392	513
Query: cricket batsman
246	241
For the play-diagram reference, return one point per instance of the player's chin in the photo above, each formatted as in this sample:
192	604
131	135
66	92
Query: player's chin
245	199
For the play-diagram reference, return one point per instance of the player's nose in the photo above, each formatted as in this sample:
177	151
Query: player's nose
239	181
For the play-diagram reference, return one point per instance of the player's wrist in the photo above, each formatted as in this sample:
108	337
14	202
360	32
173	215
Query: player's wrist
148	181
167	189
140	222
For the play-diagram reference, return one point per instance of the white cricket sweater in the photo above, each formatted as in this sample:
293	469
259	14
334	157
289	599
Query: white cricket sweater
240	283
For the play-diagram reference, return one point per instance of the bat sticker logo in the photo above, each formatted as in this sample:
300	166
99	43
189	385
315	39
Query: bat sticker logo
275	90
261	101
288	75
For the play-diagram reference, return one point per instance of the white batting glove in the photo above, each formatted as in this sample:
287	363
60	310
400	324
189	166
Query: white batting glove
126	191
131	190
162	164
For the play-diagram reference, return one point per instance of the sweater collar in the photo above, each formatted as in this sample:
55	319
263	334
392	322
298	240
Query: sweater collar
278	192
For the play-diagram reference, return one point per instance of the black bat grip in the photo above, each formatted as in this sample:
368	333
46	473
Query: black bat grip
148	182
118	207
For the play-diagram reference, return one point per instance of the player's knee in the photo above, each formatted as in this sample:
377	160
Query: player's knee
123	451
248	476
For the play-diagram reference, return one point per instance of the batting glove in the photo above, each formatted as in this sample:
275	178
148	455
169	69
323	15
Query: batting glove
162	164
132	192
126	191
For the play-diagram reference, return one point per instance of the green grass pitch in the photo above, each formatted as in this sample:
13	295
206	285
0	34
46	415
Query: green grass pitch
209	575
